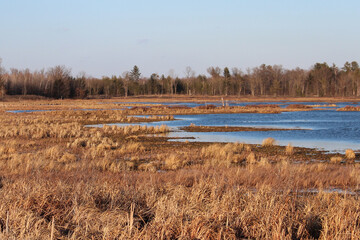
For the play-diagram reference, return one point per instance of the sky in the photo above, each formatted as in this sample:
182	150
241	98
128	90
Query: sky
109	37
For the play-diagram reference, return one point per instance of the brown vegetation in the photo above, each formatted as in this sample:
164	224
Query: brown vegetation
268	142
298	106
59	178
349	153
349	109
289	149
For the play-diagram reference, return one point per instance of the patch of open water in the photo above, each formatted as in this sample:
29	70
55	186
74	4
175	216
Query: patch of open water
327	130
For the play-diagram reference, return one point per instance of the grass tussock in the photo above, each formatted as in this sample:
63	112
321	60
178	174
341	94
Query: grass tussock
289	150
251	159
224	155
350	154
174	161
336	159
268	142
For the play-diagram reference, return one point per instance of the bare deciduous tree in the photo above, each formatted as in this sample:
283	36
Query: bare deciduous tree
2	80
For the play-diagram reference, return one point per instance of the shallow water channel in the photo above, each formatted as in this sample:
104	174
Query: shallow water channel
327	129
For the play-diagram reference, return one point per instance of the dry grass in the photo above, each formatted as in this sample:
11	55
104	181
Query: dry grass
349	109
268	142
176	110
175	161
324	105
289	150
349	153
299	106
336	159
201	204
60	178
250	159
224	155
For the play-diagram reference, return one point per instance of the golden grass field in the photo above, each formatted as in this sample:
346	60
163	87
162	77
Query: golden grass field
62	180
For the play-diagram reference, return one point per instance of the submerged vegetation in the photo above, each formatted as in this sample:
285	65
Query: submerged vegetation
63	179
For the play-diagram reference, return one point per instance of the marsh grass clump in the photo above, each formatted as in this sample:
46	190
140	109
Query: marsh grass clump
289	149
6	149
223	155
54	152
251	159
135	130
247	148
79	142
98	141
264	162
147	167
350	154
131	147
336	159
173	162
68	158
268	142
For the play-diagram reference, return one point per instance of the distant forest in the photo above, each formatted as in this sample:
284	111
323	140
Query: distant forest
57	82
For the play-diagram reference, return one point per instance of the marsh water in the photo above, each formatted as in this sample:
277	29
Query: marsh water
326	129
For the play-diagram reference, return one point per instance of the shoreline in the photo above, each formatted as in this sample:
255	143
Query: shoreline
186	98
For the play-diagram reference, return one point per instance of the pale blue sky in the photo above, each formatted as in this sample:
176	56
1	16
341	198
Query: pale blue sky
109	37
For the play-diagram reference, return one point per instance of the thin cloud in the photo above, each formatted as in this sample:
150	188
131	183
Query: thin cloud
64	29
143	41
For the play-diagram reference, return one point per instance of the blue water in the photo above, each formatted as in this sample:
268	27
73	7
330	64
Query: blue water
28	111
327	129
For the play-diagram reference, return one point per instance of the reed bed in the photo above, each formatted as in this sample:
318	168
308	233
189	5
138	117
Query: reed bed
225	203
268	142
204	110
349	109
62	180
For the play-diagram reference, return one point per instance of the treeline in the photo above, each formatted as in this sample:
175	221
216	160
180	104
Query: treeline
321	80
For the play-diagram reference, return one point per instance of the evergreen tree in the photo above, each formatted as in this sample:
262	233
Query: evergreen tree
226	80
135	74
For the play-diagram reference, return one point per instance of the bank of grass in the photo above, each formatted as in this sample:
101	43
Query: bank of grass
198	203
59	178
136	106
349	109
